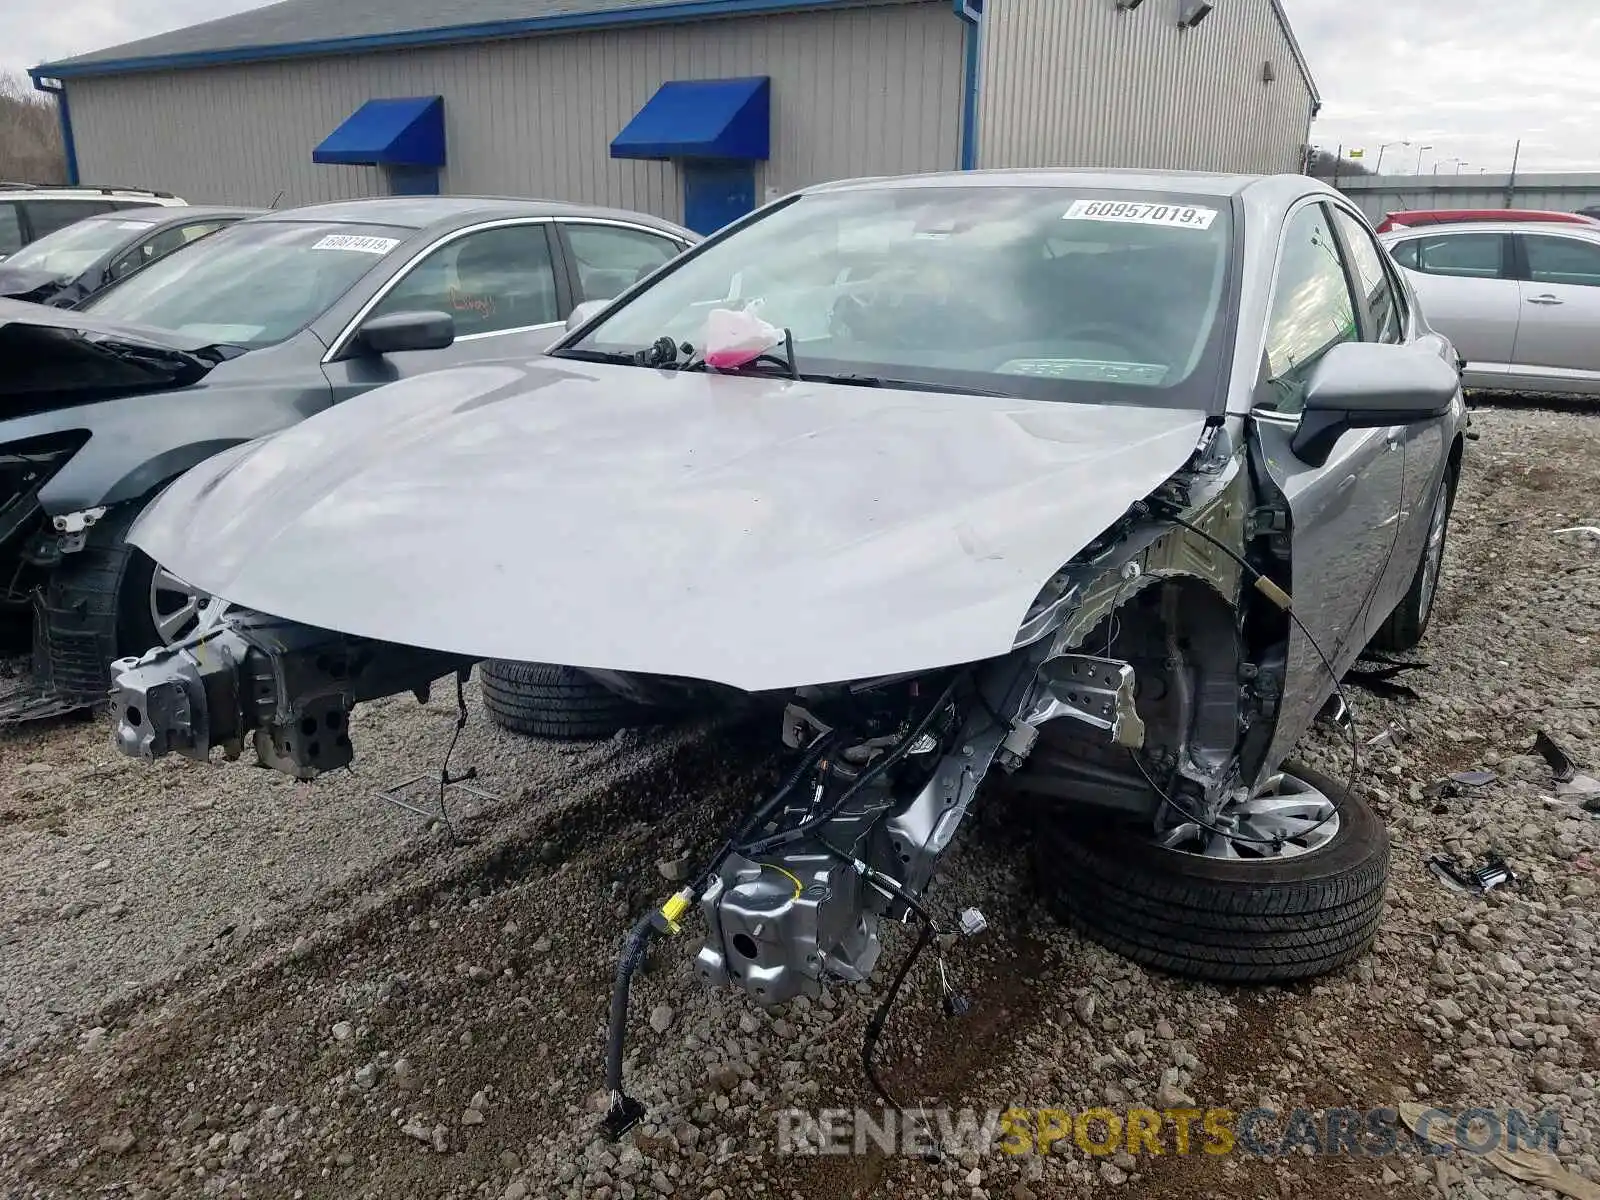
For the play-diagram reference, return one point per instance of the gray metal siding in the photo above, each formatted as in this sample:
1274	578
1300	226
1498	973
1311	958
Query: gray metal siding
860	91
1076	83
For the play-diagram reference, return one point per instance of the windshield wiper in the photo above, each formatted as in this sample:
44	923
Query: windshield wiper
910	385
663	352
601	356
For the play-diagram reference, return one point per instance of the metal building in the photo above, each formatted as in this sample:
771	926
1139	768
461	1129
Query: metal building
697	110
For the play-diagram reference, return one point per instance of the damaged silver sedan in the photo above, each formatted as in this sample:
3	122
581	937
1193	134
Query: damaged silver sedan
1092	483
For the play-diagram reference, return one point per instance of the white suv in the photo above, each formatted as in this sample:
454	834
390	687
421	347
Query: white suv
29	211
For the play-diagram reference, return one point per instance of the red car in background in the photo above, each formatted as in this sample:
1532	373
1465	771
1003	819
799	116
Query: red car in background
1453	216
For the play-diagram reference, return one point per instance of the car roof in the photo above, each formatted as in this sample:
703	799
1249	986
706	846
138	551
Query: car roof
1463	215
1266	197
1550	228
1200	183
40	191
177	214
423	212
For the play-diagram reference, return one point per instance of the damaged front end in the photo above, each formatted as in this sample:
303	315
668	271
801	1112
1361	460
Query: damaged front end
1144	682
60	369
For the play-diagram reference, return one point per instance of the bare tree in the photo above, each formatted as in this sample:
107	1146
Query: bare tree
30	134
1324	165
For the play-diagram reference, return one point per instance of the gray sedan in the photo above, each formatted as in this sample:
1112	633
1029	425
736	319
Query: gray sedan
242	334
1099	481
1520	301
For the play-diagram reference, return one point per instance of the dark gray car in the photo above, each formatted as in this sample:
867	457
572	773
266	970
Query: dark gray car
70	265
257	327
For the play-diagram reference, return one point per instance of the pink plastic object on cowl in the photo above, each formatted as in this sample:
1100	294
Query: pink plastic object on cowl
735	337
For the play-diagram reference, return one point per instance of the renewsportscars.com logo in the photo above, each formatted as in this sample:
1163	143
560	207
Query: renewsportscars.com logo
1263	1132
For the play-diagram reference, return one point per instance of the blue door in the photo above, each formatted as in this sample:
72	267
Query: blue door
716	193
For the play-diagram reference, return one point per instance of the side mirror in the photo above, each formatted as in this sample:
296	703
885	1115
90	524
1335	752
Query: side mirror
581	313
406	331
1371	385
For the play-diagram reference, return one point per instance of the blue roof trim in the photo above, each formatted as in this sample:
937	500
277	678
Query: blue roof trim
400	132
69	144
702	118
684	10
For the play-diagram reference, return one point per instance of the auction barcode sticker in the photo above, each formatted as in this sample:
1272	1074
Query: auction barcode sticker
1127	212
354	241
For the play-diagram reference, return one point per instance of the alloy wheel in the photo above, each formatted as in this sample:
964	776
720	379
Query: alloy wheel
1285	817
176	606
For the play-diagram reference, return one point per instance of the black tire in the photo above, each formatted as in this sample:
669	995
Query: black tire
97	607
1408	623
562	703
1226	921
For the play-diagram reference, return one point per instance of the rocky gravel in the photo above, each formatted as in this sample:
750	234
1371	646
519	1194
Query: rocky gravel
218	982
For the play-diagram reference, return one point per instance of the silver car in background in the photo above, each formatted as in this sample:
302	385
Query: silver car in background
1520	301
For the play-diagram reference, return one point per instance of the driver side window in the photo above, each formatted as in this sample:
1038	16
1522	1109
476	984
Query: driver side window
1312	308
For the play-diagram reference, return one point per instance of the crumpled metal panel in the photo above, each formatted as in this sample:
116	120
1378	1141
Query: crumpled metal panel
757	532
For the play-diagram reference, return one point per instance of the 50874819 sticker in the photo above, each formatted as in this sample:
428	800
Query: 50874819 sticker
355	241
1129	212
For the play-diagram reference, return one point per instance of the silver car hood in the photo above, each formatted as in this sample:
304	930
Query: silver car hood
756	532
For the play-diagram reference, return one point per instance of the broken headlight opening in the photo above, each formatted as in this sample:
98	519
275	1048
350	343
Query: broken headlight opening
25	467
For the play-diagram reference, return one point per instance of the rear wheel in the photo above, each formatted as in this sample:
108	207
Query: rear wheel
1290	887
563	703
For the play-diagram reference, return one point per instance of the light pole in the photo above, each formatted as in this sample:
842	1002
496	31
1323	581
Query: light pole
1420	149
1378	170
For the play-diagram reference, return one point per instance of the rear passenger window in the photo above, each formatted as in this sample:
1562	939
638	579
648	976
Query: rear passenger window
10	229
611	259
1467	255
1562	260
1312	309
1383	302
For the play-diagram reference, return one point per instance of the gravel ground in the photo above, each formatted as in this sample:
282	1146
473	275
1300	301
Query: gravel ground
219	982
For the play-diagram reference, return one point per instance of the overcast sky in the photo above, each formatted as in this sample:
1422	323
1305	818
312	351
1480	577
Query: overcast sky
1468	77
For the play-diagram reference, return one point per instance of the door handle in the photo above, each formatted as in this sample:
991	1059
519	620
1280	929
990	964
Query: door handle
1545	300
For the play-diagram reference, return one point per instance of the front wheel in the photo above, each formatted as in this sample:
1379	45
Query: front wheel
106	601
560	703
1289	884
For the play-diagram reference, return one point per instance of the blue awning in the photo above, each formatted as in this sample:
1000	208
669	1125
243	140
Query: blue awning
402	132
702	118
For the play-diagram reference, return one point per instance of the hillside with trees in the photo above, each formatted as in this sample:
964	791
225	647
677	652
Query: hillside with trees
30	134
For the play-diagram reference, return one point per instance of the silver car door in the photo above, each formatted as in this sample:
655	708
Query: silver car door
1343	512
1559	334
1464	282
497	280
1389	320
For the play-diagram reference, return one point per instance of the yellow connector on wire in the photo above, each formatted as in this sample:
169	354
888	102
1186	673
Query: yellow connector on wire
1274	593
673	910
